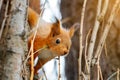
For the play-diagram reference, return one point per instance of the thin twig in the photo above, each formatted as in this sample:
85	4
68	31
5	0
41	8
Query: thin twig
36	52
1	2
29	56
101	76
104	10
41	78
81	41
59	75
44	73
70	18
94	35
99	69
66	19
86	47
32	45
112	75
37	25
118	73
85	77
105	48
4	20
107	28
100	72
32	62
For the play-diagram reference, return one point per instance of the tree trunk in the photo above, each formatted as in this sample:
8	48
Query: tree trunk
13	44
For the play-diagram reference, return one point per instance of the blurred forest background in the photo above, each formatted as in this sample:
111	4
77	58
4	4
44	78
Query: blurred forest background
110	56
71	13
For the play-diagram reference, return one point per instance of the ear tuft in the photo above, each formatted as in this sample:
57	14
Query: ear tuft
73	29
55	30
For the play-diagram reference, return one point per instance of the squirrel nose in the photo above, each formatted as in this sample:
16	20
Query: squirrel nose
65	52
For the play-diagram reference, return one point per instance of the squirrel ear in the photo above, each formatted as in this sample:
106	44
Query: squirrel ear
73	29
32	17
55	30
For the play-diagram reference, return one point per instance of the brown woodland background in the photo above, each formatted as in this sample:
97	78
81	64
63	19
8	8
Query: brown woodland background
109	60
71	13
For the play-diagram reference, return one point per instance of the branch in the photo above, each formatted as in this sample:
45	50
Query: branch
118	73
44	73
112	75
5	17
94	35
32	45
81	41
106	30
104	10
100	71
32	62
86	46
59	75
1	2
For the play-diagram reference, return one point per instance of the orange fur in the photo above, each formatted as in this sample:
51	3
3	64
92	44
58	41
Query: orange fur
35	4
47	35
32	17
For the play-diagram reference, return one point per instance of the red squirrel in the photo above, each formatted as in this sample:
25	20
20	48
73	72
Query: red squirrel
53	35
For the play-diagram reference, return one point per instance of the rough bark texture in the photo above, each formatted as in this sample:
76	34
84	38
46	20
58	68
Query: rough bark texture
13	45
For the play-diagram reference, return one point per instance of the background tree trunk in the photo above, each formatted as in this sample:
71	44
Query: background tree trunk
13	44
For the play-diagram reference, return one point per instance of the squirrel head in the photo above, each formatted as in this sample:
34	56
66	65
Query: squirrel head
53	35
57	38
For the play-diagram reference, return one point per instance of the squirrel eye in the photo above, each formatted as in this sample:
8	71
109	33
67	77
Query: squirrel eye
58	41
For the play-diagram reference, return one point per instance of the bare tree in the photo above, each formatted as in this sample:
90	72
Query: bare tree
13	44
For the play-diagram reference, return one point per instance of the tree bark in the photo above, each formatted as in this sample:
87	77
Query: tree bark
14	46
